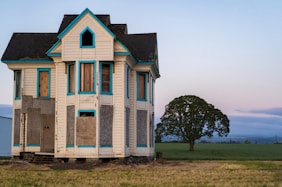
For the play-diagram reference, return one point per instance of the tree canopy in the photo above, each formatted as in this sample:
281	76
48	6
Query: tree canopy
190	118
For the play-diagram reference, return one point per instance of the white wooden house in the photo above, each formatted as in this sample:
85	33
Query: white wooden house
86	91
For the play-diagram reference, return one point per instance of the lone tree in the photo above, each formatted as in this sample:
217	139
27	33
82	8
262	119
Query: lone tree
191	117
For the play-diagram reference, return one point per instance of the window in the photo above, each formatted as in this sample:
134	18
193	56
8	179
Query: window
152	81
127	82
141	86
18	74
106	71
87	39
86	113
71	78
87	77
43	82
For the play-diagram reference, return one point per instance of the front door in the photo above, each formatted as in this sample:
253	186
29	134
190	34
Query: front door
47	133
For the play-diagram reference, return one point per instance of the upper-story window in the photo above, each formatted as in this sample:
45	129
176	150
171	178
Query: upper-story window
18	74
141	86
87	38
86	77
43	82
106	72
128	82
71	78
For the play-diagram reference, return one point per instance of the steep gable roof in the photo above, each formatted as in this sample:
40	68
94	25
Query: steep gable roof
34	46
29	46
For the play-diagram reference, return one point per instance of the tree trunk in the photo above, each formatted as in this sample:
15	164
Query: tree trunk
191	145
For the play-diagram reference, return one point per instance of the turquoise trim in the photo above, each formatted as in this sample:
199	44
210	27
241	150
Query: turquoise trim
78	18
20	84
33	145
38	82
111	78
122	53
79	111
55	54
94	82
49	52
70	146
16	145
145	86
93	38
106	146
27	61
86	146
68	79
142	145
146	63
127	81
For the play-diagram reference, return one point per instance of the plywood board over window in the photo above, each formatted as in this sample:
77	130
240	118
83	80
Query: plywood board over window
70	125
71	78
86	131
17	116
43	85
141	128
105	77
106	125
87	77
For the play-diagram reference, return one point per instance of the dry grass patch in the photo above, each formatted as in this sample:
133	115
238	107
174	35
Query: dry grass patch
171	173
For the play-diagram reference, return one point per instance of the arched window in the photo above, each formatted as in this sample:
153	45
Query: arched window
87	39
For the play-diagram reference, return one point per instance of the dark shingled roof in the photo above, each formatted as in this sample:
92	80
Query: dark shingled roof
29	46
25	46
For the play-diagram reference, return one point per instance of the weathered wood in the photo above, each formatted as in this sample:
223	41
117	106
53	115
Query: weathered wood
17	122
142	128
127	123
33	126
141	86
152	137
47	133
86	131
105	77
43	83
70	124
47	106
106	125
71	78
27	102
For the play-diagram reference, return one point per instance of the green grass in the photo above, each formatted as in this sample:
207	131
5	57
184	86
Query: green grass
179	151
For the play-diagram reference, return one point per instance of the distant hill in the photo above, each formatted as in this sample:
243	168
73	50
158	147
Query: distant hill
6	110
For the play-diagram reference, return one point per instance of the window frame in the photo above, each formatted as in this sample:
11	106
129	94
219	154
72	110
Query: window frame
111	78
128	82
145	85
18	85
68	78
80	111
48	70
93	39
94	77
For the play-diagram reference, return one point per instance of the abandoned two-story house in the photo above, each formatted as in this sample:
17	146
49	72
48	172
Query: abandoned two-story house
86	91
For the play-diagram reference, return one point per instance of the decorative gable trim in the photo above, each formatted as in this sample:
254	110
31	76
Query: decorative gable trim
78	18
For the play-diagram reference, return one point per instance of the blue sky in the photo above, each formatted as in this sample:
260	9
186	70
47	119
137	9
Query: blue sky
227	52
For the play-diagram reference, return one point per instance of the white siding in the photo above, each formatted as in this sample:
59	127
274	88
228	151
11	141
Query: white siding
60	127
103	42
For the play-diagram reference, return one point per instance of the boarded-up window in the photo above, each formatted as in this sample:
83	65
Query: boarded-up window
127	114
152	130
86	131
17	116
105	77
141	128
128	82
70	125
71	76
141	86
18	84
43	82
106	125
33	127
87	77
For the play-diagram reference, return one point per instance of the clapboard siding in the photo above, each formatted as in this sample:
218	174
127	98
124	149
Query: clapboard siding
29	87
60	129
103	42
119	117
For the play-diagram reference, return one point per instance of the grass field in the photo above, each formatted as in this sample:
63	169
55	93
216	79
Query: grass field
179	151
169	173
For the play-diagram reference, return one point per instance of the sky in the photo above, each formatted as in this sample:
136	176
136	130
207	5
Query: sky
226	52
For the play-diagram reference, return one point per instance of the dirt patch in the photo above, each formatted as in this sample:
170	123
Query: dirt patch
112	165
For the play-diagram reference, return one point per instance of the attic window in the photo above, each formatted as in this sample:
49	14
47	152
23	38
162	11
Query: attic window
87	39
